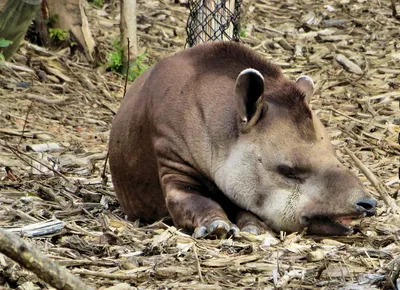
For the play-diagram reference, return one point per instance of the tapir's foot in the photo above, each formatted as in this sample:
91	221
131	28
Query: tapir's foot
252	229
249	223
218	228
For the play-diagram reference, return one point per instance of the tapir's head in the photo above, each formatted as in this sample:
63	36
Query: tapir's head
282	166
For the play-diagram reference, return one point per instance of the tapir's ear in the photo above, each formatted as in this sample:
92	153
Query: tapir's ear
249	93
306	85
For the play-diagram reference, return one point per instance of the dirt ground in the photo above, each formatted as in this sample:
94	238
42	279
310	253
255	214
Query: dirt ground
55	116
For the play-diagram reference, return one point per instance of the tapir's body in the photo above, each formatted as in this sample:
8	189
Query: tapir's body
216	136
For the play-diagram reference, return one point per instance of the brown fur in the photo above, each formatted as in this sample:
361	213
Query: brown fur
179	123
206	61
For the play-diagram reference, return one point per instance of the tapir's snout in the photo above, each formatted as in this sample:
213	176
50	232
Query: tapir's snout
367	206
339	222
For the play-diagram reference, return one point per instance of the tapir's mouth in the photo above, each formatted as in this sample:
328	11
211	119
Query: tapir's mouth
330	225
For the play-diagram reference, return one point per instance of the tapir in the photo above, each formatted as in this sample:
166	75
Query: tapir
216	138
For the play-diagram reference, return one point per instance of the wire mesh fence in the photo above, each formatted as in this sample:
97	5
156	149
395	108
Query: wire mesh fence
211	20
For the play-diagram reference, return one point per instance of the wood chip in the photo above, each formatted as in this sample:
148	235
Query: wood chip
348	64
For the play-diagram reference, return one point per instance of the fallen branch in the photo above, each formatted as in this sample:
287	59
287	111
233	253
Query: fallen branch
46	101
15	67
38	49
387	199
46	269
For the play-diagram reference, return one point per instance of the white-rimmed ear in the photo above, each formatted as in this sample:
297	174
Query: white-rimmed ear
306	85
249	92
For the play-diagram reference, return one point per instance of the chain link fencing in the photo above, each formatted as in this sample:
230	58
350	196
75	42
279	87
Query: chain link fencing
211	20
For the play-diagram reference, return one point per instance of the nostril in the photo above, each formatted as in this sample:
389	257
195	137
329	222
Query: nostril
367	205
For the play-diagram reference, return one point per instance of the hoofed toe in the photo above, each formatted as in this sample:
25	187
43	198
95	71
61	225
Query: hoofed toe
252	229
218	228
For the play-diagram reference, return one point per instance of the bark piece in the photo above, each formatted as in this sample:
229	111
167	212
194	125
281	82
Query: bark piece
348	64
38	229
46	269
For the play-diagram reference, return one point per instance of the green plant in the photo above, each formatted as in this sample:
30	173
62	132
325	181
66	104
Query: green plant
58	34
4	43
137	67
114	62
51	20
98	3
114	58
242	32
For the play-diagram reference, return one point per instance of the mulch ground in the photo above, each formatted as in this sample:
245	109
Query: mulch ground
55	118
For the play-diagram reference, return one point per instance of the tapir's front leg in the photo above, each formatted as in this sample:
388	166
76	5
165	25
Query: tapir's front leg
192	211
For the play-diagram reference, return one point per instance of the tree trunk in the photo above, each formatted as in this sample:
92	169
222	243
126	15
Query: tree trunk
70	16
41	29
15	19
128	31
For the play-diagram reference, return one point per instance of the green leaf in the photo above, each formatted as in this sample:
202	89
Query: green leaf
2	56
5	42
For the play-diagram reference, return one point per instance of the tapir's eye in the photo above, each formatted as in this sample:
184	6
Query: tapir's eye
287	171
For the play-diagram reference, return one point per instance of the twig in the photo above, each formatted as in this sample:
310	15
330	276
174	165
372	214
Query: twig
14	67
343	276
16	152
47	101
20	158
103	175
33	260
370	260
22	215
375	182
39	49
80	263
26	120
107	107
127	67
112	276
349	117
351	274
197	263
